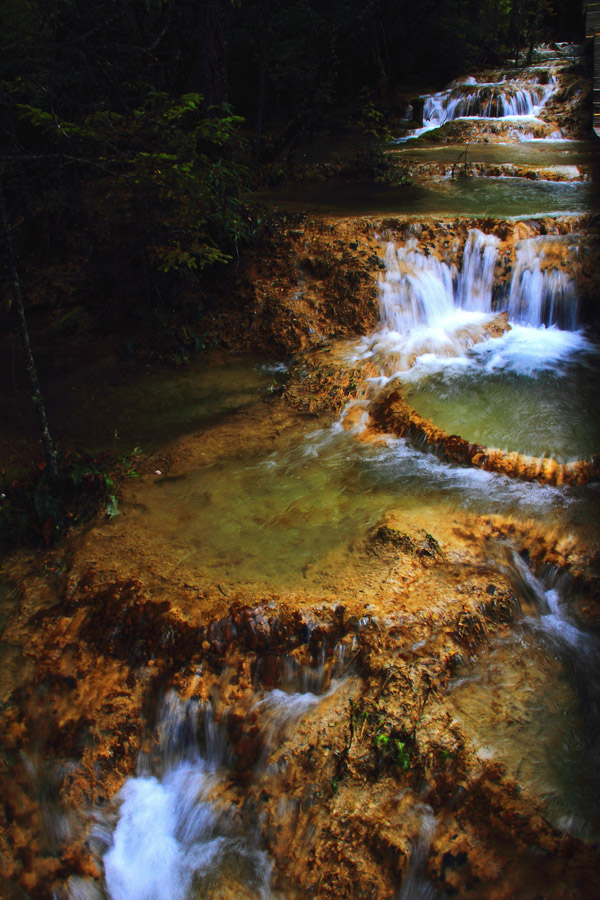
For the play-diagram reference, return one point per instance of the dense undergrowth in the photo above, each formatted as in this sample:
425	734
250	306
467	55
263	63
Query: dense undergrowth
36	509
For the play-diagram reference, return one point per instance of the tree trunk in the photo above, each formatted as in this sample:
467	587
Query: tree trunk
261	93
514	27
48	445
495	26
535	24
212	56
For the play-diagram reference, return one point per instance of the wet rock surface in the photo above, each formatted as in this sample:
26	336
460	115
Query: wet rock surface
110	623
315	279
333	712
338	800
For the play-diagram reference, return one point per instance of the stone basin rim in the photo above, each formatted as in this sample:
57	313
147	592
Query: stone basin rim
393	414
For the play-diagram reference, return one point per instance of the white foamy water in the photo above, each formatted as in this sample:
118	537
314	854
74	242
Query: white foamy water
174	838
487	100
424	474
528	350
524	350
517	98
435	318
167	835
427	306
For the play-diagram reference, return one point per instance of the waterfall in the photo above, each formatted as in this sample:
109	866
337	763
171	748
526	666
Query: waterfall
414	885
436	317
416	288
494	99
550	745
477	274
542	293
419	288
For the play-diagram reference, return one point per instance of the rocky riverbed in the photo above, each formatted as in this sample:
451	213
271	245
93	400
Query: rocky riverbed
327	648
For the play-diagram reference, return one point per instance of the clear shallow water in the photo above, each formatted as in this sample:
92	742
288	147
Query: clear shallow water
533	702
499	397
162	405
293	514
520	709
477	196
537	154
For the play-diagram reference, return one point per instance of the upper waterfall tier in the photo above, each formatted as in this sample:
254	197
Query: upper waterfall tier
519	93
523	96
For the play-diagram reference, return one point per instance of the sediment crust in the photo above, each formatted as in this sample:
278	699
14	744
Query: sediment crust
391	413
341	801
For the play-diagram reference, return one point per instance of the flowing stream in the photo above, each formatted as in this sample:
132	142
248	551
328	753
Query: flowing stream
525	166
531	389
291	514
294	513
534	702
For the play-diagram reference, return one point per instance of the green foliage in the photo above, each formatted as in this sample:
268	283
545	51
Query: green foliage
402	754
112	151
174	170
371	125
36	509
393	747
112	154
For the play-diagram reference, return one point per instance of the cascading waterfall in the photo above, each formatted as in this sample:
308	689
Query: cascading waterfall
521	96
458	339
474	289
428	306
546	614
434	317
419	289
177	835
416	288
495	100
540	294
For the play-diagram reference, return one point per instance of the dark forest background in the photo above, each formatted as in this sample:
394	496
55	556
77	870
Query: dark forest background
134	132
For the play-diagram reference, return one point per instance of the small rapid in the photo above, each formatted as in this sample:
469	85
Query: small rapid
516	97
180	831
522	96
533	699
